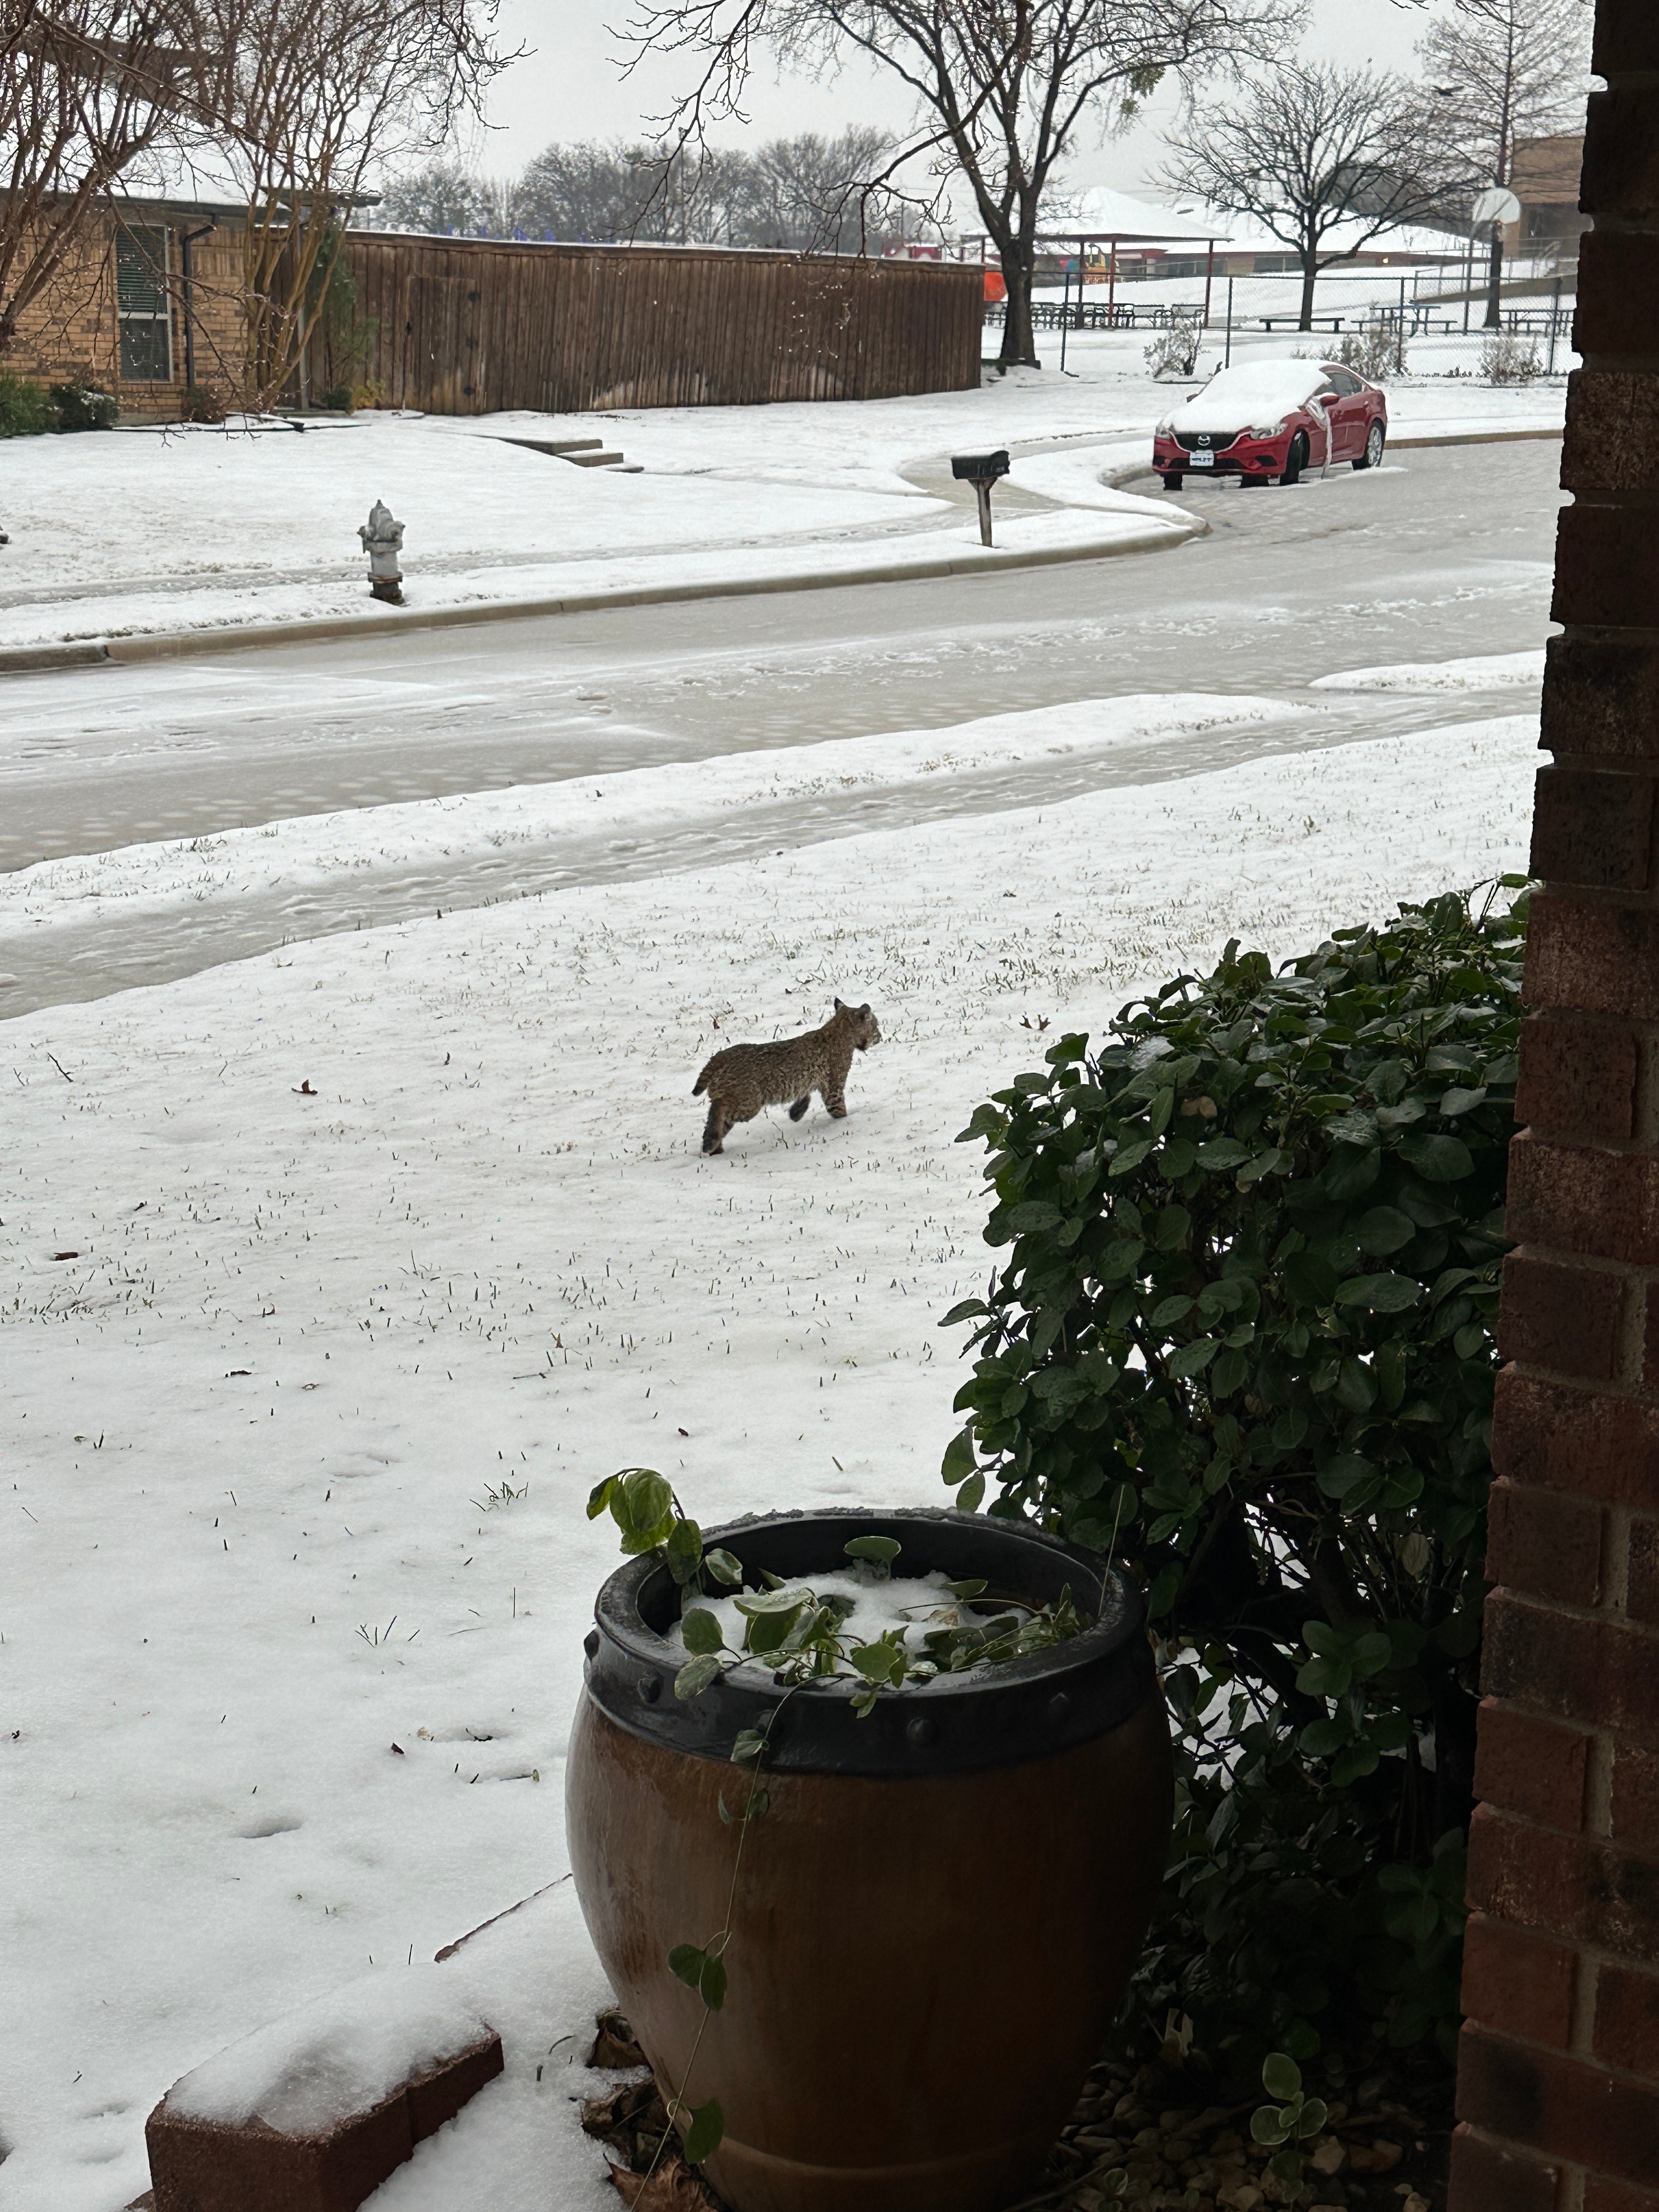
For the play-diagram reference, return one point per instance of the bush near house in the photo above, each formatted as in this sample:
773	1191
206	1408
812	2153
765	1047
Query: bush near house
1243	1341
28	410
25	409
84	407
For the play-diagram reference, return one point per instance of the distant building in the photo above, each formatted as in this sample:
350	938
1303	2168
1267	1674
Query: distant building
1544	178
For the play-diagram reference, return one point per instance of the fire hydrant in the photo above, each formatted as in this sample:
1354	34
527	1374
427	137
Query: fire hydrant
383	539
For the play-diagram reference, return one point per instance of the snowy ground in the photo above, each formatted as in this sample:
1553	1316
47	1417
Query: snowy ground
143	532
424	1208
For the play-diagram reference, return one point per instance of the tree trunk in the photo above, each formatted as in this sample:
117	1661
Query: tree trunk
1495	279
1309	278
1018	260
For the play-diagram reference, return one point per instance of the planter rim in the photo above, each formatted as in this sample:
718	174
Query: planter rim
1023	1708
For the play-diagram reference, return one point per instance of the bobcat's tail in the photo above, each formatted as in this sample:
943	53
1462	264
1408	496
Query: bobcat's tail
701	1083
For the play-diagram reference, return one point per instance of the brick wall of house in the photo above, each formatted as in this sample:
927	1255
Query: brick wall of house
72	327
1558	2073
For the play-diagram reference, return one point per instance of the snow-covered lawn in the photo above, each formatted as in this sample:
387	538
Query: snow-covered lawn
143	531
423	1209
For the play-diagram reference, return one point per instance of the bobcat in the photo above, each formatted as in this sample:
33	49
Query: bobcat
744	1078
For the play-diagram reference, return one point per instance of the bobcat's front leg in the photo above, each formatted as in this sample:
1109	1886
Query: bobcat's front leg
834	1097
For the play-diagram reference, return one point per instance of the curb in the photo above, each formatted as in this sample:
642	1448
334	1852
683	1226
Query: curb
172	645
176	645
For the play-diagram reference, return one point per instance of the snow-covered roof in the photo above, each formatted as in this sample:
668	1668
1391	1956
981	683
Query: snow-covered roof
1103	208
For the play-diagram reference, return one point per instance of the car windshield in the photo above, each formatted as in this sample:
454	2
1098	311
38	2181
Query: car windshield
1259	391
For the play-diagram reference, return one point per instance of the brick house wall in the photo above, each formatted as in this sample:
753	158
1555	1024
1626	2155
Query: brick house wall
1558	2071
74	328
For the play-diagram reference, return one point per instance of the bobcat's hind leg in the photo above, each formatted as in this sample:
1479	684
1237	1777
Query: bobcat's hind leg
714	1128
801	1107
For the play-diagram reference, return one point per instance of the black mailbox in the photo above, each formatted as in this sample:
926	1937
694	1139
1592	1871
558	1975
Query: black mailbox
980	468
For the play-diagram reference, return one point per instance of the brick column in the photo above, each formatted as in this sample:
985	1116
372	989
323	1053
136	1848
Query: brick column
1558	2072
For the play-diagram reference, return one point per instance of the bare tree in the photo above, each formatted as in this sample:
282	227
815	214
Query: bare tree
1307	152
810	191
305	96
87	87
1500	71
440	197
1001	87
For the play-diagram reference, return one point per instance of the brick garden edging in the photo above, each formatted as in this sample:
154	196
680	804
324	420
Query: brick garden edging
200	2166
1558	2073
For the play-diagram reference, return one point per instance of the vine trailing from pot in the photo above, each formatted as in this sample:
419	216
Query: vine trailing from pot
804	1637
1243	1339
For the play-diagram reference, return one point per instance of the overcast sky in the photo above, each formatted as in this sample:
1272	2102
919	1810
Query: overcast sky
570	88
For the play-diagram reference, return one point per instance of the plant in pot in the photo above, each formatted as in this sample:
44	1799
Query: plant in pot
948	1728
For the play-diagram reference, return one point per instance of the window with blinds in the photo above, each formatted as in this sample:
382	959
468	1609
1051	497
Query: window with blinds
142	306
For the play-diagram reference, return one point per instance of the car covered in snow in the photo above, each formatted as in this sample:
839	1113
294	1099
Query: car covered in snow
1267	420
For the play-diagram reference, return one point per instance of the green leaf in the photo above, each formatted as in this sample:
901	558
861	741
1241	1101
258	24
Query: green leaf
1379	1293
882	1550
703	2137
1281	2076
711	1983
958	1462
1268	2125
964	1309
1383	1230
684	1550
970	1494
749	1744
599	1497
687	1961
768	1631
701	1632
1192	1358
967	1589
1312	1279
1438	1159
724	1568
695	1677
790	1598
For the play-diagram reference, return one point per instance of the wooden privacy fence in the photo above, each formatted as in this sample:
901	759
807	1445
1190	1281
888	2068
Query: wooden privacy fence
467	326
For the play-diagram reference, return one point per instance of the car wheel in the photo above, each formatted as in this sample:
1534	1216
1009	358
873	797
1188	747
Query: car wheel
1374	439
1173	481
1296	460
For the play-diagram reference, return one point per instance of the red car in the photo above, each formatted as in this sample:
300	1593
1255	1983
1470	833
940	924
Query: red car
1267	419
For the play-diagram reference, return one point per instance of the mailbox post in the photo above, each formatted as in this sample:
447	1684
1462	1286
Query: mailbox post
982	470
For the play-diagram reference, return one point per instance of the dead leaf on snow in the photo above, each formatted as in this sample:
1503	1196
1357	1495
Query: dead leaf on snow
614	2046
672	2188
628	2105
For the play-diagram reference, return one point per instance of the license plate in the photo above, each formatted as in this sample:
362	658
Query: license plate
1202	460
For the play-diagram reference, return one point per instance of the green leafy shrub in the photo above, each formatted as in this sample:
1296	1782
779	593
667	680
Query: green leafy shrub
25	409
84	407
1243	1339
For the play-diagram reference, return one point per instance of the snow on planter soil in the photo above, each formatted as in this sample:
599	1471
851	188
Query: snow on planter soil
304	1391
323	2063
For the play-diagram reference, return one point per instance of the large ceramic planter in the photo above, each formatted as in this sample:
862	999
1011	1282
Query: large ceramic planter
936	1917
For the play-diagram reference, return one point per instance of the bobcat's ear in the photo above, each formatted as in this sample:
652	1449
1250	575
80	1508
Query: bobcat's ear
865	1008
839	1009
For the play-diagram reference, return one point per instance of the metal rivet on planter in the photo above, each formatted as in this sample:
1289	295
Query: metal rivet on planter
591	1643
1059	1709
921	1731
650	1688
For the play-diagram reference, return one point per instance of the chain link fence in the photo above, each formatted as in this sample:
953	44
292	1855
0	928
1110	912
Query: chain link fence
1421	322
